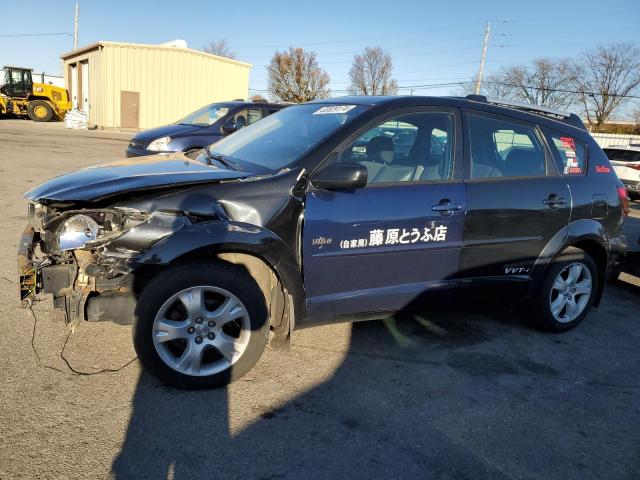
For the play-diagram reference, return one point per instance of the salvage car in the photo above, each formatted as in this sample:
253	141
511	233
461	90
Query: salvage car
203	127
287	223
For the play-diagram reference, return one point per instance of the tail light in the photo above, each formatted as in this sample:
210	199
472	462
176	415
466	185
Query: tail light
624	200
635	166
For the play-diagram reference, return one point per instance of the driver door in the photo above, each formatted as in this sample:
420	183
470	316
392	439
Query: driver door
382	247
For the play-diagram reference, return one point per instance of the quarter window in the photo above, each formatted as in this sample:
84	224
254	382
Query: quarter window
572	154
500	148
410	147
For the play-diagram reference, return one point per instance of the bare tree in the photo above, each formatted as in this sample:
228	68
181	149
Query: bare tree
606	77
545	82
295	76
493	86
635	115
371	73
220	48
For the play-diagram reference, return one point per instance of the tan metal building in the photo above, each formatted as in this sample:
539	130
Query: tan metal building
127	85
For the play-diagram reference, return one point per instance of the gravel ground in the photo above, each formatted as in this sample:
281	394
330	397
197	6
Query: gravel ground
465	391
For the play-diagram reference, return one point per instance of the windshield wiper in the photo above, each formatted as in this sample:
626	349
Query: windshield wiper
219	158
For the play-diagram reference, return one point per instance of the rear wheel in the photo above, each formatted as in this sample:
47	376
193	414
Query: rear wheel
39	111
567	292
201	325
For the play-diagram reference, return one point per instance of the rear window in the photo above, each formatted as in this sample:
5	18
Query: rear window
571	154
619	155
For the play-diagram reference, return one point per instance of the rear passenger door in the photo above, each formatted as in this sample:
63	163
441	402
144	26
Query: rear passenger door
382	246
516	200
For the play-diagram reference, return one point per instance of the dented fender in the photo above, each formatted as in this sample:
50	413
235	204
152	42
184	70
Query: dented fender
227	236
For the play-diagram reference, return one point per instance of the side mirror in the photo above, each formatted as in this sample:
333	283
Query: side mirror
341	176
228	127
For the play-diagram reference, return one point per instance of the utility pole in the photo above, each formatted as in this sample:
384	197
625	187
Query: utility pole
487	31
75	28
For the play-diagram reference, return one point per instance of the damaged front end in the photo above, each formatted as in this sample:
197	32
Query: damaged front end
85	257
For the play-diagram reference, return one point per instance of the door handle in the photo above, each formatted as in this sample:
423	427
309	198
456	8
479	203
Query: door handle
554	201
446	206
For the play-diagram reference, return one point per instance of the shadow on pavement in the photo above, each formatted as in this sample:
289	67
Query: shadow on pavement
425	396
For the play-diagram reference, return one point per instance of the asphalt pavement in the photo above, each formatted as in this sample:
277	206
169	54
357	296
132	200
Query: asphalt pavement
466	390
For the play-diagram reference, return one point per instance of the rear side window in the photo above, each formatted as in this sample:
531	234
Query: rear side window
500	148
571	154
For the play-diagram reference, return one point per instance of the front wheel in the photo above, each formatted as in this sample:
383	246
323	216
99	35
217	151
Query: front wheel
567	292
39	111
201	325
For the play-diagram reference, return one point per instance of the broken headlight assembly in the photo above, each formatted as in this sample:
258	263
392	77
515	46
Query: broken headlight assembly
86	229
76	231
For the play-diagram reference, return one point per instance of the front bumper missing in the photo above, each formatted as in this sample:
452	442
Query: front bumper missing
28	275
79	295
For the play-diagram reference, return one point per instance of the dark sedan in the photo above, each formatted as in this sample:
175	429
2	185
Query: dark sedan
202	127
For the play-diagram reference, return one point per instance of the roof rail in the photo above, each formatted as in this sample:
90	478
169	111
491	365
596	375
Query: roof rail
570	118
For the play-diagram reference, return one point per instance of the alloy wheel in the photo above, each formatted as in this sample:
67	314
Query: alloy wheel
201	330
570	292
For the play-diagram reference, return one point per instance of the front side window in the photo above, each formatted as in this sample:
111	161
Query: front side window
410	147
278	140
205	116
501	148
571	153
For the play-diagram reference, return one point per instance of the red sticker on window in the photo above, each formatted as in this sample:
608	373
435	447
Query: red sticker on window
575	170
569	142
602	169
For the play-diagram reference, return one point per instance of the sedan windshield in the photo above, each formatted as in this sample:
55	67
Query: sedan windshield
280	139
205	116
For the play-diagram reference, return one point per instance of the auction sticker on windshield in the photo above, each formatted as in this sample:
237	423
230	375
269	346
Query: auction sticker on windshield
334	109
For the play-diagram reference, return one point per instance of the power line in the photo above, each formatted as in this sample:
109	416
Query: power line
560	90
427	86
386	47
21	35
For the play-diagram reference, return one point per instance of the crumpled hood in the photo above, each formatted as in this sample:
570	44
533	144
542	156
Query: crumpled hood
101	181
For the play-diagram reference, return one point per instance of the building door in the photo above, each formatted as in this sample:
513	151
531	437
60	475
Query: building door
74	85
84	75
129	109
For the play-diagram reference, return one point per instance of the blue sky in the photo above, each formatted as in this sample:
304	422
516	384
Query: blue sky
431	42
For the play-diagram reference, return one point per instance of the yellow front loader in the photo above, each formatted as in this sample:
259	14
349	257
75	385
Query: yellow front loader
39	101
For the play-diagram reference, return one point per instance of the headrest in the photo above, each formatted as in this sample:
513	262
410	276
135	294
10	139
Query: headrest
380	148
523	162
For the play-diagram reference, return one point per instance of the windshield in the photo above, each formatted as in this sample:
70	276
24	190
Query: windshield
205	116
280	139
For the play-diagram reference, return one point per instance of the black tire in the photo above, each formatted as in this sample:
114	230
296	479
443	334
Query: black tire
35	107
544	317
231	278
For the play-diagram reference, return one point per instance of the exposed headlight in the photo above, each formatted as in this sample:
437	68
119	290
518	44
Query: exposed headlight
76	231
160	144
